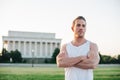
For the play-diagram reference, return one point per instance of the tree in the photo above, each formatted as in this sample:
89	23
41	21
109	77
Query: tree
118	59
16	56
55	53
4	51
101	60
113	60
105	59
5	56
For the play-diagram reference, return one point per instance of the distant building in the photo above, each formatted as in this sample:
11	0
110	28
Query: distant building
32	44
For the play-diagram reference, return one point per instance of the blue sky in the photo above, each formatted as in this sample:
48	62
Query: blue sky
56	16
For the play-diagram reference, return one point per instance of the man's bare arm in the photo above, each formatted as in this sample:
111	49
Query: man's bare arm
93	58
64	61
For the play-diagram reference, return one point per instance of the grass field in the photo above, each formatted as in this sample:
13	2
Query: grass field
54	73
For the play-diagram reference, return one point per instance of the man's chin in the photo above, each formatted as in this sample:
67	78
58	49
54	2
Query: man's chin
80	36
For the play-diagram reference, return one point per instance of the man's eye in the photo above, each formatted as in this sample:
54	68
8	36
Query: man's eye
78	25
83	25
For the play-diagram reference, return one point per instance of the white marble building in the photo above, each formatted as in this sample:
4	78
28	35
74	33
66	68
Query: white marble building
39	45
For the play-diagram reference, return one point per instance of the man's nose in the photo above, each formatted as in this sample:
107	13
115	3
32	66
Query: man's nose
80	27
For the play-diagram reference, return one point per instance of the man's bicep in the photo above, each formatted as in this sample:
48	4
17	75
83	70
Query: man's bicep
94	53
62	54
63	48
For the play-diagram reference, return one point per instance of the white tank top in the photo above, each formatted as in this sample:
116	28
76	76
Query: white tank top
74	73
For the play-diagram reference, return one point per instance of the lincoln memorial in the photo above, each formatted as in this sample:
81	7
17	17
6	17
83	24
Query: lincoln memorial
31	44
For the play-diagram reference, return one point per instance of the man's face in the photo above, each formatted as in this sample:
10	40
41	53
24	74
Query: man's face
79	28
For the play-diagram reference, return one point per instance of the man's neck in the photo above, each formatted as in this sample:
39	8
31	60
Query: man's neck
78	41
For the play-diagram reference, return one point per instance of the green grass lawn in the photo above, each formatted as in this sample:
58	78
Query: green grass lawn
53	73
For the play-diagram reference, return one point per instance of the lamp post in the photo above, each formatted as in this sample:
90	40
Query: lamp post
32	58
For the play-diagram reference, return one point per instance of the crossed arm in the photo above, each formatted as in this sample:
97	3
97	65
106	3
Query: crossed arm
93	59
65	61
85	62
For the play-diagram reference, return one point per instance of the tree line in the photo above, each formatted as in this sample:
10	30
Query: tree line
106	59
12	56
16	57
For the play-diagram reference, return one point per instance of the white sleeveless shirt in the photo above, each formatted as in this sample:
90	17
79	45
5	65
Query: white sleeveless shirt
74	73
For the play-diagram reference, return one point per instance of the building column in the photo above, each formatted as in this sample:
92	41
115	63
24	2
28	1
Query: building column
30	49
13	47
8	45
19	45
56	45
41	47
51	48
46	47
24	48
35	49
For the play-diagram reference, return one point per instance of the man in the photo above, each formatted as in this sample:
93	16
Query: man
80	56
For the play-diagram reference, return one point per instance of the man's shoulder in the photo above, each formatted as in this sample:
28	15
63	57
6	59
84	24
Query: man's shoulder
65	44
64	47
93	44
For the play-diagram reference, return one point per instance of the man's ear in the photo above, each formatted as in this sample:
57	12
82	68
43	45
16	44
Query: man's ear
72	28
